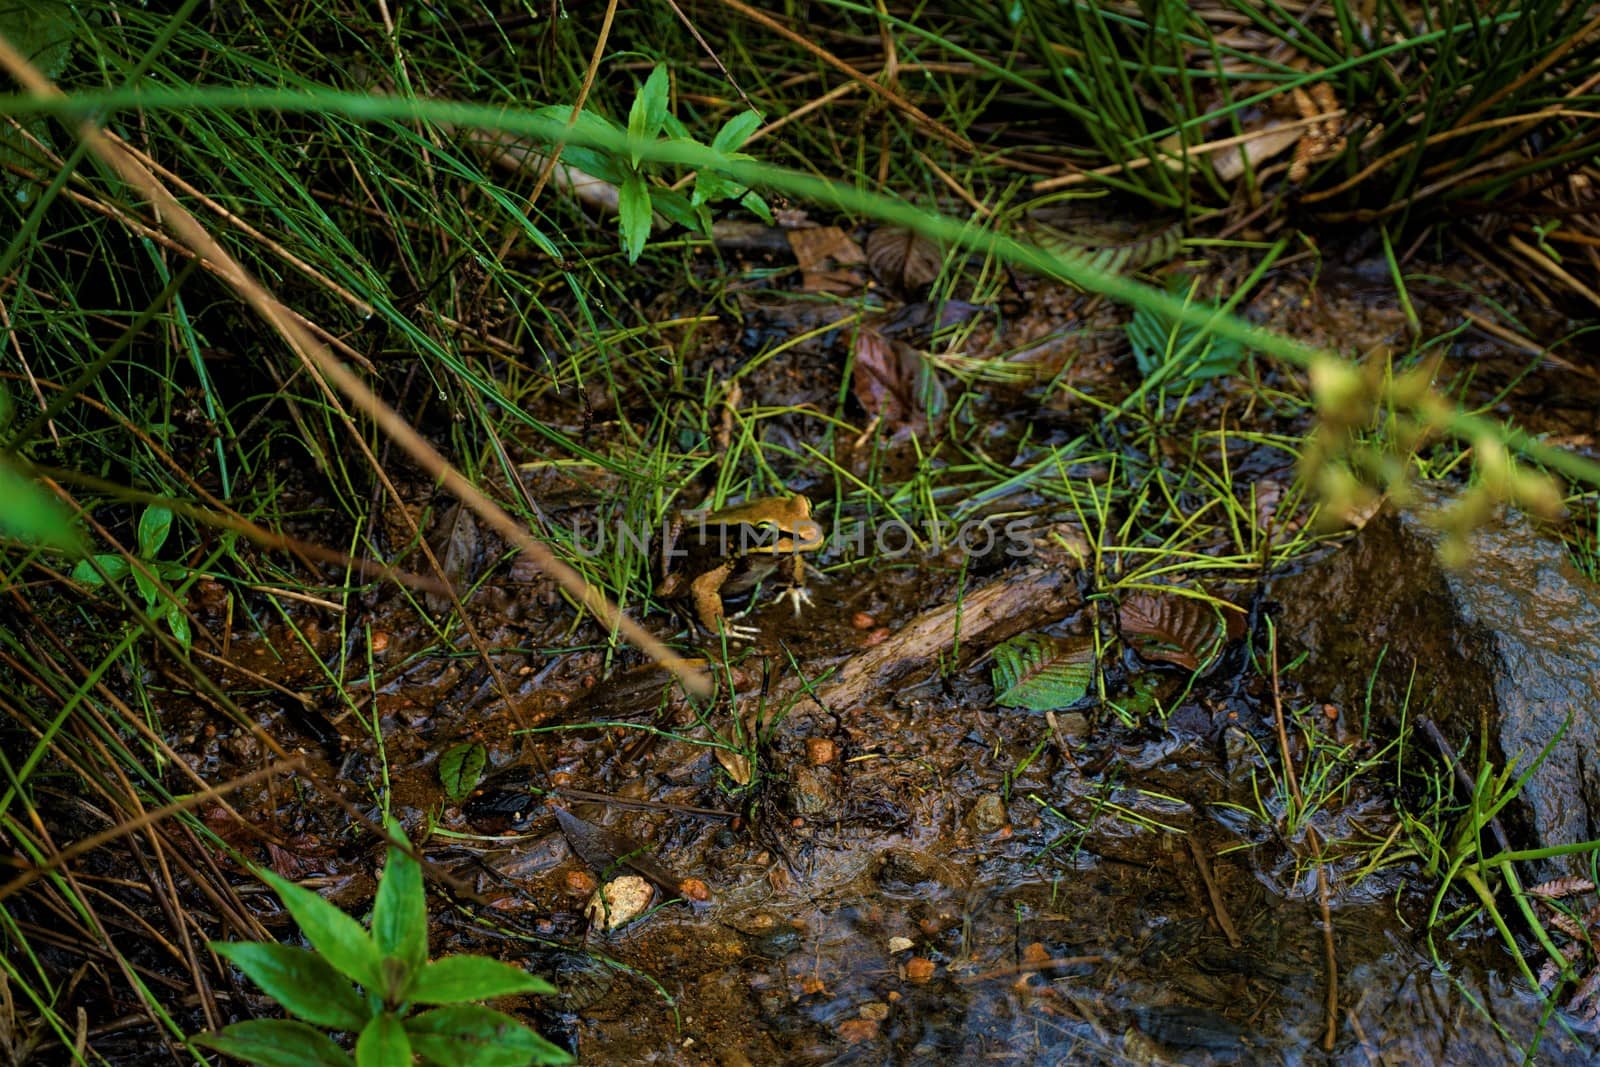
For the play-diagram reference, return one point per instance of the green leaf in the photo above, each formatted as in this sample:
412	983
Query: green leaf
458	979
339	938
42	30
598	164
148	588
178	623
304	983
709	188
461	768
277	1043
469	1036
754	204
633	215
1177	352
400	913
1040	672
736	131
649	111
675	208
115	568
384	1043
34	516
154	525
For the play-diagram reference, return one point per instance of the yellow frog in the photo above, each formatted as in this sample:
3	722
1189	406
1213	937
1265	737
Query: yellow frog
733	549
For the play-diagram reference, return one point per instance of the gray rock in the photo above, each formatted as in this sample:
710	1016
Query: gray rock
1508	645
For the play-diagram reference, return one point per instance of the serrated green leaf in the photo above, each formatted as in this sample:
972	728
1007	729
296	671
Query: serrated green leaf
302	982
633	215
461	768
277	1043
115	568
34	516
384	1043
154	525
1041	672
339	938
736	131
459	979
400	913
470	1036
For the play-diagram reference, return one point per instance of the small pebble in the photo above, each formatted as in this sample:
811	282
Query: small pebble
619	902
900	944
863	621
919	969
821	751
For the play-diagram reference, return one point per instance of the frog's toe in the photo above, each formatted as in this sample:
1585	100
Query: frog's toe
798	595
741	632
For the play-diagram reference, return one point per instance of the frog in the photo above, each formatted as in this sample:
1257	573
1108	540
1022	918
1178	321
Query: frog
733	549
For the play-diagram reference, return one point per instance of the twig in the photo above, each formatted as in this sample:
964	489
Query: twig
1219	907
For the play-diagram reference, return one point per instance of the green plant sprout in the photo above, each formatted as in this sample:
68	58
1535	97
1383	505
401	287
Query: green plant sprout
106	568
638	200
390	965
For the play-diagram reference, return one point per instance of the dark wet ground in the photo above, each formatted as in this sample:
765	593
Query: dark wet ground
915	875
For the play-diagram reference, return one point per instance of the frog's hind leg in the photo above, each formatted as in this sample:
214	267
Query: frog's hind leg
708	609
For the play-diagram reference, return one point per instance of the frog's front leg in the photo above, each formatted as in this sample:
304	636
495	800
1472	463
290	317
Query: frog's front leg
791	570
707	593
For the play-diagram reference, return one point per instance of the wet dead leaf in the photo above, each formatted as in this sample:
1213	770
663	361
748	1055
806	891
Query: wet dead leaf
825	255
902	259
1187	631
458	543
606	850
737	765
886	379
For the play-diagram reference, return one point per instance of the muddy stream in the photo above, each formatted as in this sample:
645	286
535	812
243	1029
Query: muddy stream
913	874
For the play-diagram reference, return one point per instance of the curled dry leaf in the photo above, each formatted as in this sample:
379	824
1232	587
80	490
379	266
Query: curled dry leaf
902	259
1557	888
1187	631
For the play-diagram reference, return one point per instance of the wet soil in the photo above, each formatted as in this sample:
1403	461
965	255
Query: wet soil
911	873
